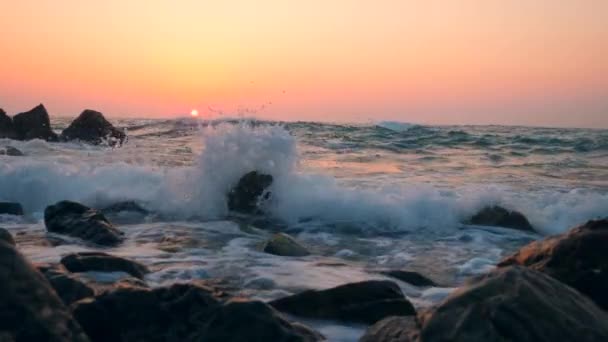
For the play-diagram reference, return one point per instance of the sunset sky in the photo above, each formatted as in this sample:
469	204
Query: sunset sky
531	62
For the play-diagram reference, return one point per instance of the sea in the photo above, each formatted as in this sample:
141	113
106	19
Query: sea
362	198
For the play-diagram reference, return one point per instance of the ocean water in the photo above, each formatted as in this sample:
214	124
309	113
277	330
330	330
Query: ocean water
361	197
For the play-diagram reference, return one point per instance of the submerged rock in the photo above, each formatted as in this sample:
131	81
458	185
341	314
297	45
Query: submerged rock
500	217
11	208
80	221
93	128
11	151
126	206
410	277
34	124
578	258
393	329
68	287
30	309
362	302
6	237
97	261
245	196
284	245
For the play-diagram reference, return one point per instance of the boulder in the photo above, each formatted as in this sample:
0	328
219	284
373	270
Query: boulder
500	217
6	237
362	302
93	128
11	208
410	277
284	245
29	308
97	261
75	219
181	312
34	124
7	129
578	258
67	286
246	195
11	151
393	329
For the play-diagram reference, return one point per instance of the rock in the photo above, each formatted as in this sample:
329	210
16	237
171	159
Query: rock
362	302
11	208
6	237
7	129
393	329
93	128
244	197
284	245
578	258
68	287
500	217
514	304
34	124
182	312
11	151
97	261
410	277
75	219
29	308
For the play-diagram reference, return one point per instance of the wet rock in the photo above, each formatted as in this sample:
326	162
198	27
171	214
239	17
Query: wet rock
7	129
97	261
11	151
578	258
362	302
93	128
393	329
245	196
67	286
284	245
75	219
500	217
34	124
514	304
29	308
410	277
126	206
182	312
11	208
6	237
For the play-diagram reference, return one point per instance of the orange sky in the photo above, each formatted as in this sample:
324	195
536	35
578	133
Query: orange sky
541	62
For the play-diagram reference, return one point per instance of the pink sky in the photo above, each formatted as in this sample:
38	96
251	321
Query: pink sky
442	62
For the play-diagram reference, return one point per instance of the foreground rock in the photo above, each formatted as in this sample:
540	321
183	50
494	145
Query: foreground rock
393	329
413	278
75	219
11	208
500	217
578	258
284	245
246	195
30	309
7	129
182	312
97	261
93	128
6	237
363	302
67	286
34	124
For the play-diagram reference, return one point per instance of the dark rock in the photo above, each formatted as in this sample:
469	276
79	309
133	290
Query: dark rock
97	261
578	258
29	308
500	217
69	288
245	196
410	277
7	129
34	124
393	329
284	245
182	312
11	208
6	237
129	206
514	304
362	302
11	151
93	128
75	219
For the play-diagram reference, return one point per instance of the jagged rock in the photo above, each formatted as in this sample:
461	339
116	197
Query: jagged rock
6	237
245	196
11	151
393	329
68	287
578	258
362	302
284	245
29	308
34	124
80	221
410	277
500	217
93	128
11	208
7	129
97	261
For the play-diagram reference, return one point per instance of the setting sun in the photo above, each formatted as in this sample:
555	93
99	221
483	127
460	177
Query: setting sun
194	113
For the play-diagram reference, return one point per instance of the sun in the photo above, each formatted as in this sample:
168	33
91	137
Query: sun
194	113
